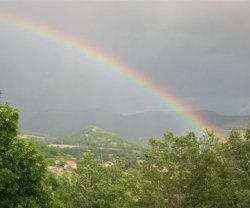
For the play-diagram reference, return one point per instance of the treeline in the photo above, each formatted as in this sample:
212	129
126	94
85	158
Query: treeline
176	171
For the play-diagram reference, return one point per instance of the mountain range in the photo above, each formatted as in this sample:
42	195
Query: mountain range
138	126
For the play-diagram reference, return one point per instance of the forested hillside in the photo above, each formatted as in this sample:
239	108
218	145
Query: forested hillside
104	144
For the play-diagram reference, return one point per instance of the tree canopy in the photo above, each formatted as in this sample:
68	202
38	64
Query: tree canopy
22	168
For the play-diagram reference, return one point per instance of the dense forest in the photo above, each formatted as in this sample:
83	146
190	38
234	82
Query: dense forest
173	171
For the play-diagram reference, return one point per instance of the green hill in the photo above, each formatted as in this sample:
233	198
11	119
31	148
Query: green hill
102	143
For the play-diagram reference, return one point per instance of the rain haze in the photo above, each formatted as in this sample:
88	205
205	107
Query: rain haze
197	51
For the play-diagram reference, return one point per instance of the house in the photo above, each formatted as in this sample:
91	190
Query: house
54	169
70	165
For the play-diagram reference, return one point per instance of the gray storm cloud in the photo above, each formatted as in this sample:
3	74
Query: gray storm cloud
197	51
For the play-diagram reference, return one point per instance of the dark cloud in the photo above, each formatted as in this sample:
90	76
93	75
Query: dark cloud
197	51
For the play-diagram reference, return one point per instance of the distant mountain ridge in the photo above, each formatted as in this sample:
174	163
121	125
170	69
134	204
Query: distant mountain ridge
139	126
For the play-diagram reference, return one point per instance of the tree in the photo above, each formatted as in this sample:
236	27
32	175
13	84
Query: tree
103	186
184	171
237	153
22	168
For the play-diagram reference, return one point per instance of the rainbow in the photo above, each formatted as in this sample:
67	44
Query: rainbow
113	64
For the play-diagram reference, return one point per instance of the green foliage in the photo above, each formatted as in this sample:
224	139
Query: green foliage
187	172
98	185
238	163
22	169
62	187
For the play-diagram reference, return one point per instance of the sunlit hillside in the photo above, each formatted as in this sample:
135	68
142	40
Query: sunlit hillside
102	143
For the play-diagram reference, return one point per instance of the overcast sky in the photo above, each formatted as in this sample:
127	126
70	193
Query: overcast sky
198	51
